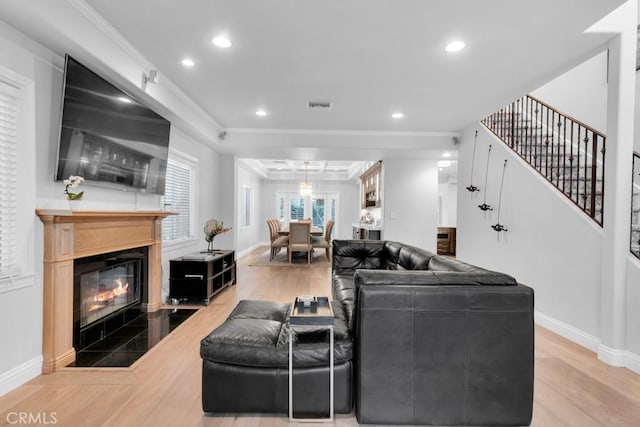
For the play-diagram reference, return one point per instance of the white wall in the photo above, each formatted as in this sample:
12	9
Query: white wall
411	202
580	92
21	302
550	245
348	203
206	200
21	354
448	193
226	185
632	304
249	236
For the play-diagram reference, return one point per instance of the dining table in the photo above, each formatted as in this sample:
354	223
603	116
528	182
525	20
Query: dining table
315	231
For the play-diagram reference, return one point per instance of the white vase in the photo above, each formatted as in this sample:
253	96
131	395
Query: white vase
74	204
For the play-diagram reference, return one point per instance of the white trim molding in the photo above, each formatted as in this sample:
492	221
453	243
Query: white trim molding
341	132
608	355
567	331
20	374
620	358
10	284
249	250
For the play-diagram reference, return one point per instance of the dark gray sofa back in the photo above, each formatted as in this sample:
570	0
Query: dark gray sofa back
386	262
351	255
449	355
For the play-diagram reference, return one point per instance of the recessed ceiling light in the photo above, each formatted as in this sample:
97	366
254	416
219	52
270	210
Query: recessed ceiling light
455	46
261	113
188	62
444	163
397	115
124	99
221	41
446	154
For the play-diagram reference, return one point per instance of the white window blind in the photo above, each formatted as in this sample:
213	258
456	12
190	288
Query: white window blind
178	198
9	116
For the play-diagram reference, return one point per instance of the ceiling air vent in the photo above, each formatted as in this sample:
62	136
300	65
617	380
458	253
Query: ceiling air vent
319	105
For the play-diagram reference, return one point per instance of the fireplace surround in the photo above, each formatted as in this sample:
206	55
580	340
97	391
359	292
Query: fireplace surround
70	235
104	286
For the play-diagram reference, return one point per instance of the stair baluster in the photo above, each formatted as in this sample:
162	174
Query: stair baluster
567	152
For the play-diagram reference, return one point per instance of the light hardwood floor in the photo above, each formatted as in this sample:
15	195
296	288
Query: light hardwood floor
572	388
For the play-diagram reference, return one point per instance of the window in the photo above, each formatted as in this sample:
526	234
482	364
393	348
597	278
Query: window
17	180
281	213
179	197
297	208
9	116
247	206
321	207
317	210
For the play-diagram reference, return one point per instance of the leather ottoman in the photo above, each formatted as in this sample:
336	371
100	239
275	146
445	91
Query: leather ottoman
245	363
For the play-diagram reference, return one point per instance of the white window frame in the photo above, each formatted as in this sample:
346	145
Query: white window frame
247	218
21	272
328	197
308	200
184	160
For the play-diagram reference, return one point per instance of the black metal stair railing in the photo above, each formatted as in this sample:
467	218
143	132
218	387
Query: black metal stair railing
635	207
567	152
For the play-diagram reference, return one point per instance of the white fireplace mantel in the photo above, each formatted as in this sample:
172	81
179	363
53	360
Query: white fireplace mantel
76	234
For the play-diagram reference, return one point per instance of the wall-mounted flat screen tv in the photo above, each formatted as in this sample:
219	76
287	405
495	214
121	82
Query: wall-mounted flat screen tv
109	137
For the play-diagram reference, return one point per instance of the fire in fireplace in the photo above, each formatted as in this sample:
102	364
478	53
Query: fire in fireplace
106	291
104	287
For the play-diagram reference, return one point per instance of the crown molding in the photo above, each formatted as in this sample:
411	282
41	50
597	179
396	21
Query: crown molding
108	30
341	132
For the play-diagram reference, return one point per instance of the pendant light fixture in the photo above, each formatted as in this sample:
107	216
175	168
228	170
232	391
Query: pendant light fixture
472	188
305	187
484	206
497	226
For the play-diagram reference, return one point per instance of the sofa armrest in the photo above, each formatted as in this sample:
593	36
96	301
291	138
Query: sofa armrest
454	354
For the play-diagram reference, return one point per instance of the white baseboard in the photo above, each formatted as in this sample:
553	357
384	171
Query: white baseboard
567	331
249	250
622	358
20	374
608	355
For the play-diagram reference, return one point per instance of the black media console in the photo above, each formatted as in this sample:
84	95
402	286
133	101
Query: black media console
199	276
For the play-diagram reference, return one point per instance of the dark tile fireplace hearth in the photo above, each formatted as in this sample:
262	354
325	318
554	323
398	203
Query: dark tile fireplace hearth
127	343
110	326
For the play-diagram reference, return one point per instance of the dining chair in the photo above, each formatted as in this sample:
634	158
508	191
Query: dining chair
277	242
324	241
300	239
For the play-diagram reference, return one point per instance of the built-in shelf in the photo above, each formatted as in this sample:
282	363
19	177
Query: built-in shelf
371	186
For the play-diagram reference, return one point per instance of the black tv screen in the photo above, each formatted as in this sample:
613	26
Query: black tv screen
109	137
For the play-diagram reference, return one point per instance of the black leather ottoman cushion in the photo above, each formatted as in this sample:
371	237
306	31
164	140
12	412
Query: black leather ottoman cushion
256	334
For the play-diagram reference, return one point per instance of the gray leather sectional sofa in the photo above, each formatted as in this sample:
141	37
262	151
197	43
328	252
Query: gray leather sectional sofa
420	339
436	341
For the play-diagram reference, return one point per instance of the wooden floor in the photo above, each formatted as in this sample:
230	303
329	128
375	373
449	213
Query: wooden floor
572	388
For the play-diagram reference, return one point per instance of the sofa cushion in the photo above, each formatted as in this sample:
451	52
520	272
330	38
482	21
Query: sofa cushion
344	292
256	333
349	255
399	256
